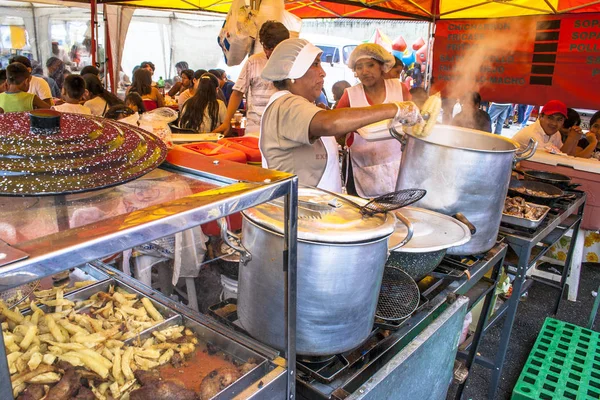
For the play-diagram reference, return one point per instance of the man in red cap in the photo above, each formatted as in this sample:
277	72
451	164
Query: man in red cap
546	130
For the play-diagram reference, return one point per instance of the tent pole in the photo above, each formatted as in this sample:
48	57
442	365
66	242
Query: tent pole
93	31
108	59
430	40
35	34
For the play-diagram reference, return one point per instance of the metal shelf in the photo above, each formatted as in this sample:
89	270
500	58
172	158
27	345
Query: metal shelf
225	188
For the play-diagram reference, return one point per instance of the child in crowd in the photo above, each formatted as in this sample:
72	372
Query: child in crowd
135	102
204	112
72	92
118	112
98	99
2	80
15	97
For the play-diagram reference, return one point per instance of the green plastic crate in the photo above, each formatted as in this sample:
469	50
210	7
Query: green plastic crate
564	363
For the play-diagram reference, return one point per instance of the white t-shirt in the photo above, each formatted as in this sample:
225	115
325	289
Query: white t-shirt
98	106
258	91
207	122
73	108
285	142
40	87
183	97
536	132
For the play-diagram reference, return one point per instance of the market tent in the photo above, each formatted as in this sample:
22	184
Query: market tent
391	9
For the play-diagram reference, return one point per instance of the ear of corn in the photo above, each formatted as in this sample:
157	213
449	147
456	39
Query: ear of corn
432	106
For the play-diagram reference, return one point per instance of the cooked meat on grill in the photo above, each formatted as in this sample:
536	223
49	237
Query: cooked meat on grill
163	390
217	380
147	377
518	207
66	387
84	394
33	392
531	192
176	360
156	389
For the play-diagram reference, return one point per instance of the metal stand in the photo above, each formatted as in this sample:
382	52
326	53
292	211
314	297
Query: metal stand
527	248
289	259
489	294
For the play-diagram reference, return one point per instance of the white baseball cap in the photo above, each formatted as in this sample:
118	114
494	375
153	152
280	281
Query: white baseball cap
290	60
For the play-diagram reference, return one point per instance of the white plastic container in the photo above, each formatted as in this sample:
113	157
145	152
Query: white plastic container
230	288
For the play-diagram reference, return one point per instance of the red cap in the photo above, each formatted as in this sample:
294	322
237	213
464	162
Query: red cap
555	107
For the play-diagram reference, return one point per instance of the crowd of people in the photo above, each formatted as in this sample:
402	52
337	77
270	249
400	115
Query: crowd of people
557	128
281	90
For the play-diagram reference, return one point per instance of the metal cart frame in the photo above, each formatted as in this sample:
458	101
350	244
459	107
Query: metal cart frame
246	186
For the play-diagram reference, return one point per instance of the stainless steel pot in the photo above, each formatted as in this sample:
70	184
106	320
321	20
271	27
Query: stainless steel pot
464	171
341	258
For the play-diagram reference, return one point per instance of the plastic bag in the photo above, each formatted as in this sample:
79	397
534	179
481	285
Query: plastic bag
157	122
238	33
274	10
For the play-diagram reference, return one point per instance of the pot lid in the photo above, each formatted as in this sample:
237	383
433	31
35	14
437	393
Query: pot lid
86	153
432	231
342	223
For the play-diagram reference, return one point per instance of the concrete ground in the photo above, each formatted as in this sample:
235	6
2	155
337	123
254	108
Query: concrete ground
530	317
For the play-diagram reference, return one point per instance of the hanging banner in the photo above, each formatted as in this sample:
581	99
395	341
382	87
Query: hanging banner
525	60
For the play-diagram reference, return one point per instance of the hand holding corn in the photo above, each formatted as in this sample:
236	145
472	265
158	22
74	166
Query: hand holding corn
430	111
407	114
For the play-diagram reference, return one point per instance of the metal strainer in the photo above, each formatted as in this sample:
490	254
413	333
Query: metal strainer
398	297
15	296
392	201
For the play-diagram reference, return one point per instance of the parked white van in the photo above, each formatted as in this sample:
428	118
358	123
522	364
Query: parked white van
334	60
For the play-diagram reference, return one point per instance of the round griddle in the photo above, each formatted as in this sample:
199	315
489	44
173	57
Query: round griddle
88	153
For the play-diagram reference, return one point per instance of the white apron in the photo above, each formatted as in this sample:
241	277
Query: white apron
331	178
375	165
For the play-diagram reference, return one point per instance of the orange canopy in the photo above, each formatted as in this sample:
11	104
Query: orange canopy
426	10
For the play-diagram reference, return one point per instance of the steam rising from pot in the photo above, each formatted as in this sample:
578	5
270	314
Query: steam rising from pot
497	44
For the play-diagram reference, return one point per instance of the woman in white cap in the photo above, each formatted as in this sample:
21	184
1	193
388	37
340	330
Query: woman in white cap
296	136
374	166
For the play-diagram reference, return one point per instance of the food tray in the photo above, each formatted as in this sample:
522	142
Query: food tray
220	345
524	222
81	273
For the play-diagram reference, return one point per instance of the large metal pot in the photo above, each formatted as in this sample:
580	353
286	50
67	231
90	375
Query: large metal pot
341	258
464	171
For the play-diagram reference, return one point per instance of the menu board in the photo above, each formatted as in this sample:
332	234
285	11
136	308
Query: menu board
525	60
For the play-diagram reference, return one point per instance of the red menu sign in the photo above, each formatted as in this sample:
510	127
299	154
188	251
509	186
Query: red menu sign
525	60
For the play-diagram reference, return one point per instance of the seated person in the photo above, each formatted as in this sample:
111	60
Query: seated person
72	93
2	80
15	98
98	99
118	112
338	91
90	69
546	129
573	120
135	102
187	77
142	85
204	112
37	85
588	146
419	96
471	116
189	93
